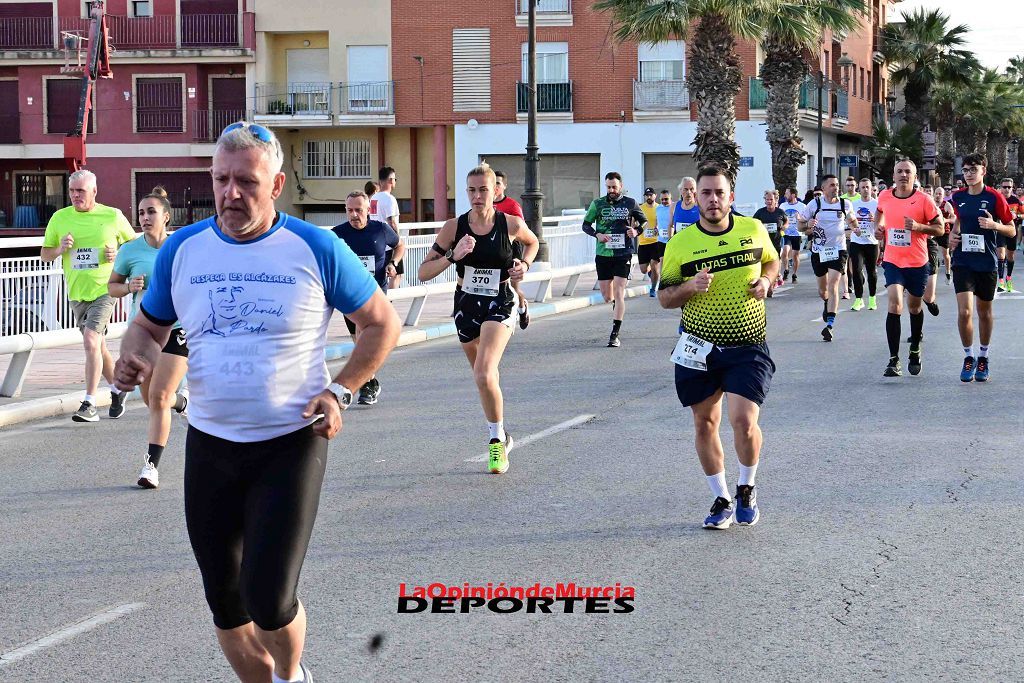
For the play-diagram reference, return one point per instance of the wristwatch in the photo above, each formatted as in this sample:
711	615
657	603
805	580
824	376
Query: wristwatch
450	255
342	393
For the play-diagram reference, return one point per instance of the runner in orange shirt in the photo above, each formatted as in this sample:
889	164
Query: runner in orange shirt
905	219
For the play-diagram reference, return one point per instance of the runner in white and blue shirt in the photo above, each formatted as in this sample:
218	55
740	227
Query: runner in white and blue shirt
791	237
255	291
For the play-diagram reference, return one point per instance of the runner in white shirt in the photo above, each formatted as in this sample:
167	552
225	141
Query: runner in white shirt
384	208
864	248
791	238
826	219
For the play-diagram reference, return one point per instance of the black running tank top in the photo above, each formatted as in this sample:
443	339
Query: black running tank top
493	250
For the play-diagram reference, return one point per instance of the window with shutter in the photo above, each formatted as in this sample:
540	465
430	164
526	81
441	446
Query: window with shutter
336	159
471	69
159	105
63	96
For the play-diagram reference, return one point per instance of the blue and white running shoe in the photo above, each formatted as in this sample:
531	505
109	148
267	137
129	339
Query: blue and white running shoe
721	514
747	513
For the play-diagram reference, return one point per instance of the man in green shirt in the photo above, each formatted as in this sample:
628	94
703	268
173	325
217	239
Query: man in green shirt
86	236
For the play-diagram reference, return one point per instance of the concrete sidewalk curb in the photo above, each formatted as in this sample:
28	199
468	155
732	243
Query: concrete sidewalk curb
66	404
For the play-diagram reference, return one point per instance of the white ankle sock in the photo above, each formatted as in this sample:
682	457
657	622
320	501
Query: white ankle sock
719	486
89	399
277	679
496	430
747	474
113	389
983	351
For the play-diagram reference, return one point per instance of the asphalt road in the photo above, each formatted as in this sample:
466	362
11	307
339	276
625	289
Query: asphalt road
887	549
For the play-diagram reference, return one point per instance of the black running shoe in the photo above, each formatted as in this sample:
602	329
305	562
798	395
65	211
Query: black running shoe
826	333
524	318
933	307
914	363
785	274
370	392
116	409
893	369
613	341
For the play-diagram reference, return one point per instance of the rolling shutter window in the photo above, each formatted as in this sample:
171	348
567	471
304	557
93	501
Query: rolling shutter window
471	69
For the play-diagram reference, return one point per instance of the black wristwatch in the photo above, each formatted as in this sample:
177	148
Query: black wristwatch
450	254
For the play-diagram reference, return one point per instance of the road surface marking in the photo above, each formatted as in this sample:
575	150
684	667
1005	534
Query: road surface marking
560	427
69	632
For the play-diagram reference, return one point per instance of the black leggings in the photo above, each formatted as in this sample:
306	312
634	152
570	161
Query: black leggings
864	256
249	509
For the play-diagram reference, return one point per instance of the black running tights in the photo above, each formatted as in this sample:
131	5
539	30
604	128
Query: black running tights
863	256
249	509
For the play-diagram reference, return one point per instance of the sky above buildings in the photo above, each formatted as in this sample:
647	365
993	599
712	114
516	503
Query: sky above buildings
996	26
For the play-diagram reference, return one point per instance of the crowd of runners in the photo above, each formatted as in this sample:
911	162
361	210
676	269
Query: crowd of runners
239	304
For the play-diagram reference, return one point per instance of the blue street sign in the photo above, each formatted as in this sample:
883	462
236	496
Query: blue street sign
848	161
746	162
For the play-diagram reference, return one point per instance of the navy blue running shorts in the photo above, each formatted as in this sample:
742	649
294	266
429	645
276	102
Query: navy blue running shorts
912	279
742	370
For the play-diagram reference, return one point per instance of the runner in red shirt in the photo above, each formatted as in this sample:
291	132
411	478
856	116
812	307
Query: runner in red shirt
510	207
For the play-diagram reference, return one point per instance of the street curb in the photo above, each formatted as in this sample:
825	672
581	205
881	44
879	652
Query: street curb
66	404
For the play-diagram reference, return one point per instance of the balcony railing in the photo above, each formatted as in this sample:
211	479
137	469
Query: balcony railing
366	98
551	97
168	32
660	96
26	33
758	98
10	129
207	124
159	120
546	6
841	104
293	99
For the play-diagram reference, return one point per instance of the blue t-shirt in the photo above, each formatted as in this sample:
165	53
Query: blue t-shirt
685	217
371	245
792	211
978	254
255	315
133	259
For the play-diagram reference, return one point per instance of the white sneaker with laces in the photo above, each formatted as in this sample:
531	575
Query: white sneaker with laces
149	478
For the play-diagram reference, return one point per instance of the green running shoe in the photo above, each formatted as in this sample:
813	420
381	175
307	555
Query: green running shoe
497	452
858	304
872	303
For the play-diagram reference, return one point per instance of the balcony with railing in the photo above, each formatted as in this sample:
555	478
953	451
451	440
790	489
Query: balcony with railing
549	12
840	107
159	32
552	98
208	123
370	98
660	96
294	100
26	33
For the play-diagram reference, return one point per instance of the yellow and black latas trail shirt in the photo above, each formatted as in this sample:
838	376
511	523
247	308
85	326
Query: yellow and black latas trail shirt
726	315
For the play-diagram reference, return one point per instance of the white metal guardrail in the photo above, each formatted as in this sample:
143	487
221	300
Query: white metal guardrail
23	346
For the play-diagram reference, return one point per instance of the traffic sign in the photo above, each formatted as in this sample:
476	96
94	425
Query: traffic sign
746	162
848	161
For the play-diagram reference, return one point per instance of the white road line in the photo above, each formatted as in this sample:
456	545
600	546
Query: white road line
69	632
560	427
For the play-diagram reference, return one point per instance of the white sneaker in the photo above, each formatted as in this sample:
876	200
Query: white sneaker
149	478
183	415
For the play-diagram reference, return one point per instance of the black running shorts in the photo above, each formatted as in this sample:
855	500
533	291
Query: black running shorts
793	241
742	370
249	509
1010	243
176	345
471	311
981	284
650	252
821	269
609	267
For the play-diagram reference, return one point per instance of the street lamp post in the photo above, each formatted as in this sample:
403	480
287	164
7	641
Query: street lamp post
821	99
533	198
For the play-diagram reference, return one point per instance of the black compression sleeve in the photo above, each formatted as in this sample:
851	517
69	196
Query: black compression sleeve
589	229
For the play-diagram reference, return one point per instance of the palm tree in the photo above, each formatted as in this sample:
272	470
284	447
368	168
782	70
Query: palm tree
926	52
890	145
714	74
1015	69
947	101
789	33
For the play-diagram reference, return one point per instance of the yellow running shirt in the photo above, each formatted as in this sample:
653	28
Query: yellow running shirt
86	268
650	235
726	315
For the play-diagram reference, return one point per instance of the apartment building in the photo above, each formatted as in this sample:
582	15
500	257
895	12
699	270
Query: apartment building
604	106
179	70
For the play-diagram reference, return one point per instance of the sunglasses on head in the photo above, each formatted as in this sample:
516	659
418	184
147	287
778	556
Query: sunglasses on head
259	132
